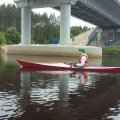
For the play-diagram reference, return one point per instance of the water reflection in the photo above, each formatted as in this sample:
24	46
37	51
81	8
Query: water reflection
56	95
64	89
81	76
9	89
25	90
52	94
69	94
113	112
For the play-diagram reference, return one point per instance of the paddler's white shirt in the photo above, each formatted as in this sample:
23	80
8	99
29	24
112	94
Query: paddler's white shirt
83	60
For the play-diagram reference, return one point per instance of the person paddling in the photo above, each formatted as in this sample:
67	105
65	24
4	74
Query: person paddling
83	60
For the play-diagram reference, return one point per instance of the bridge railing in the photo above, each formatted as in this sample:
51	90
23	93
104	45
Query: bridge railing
111	42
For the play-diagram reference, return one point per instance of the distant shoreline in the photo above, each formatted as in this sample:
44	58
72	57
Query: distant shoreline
111	51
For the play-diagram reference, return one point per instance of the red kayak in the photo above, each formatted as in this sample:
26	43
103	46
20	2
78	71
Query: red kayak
63	66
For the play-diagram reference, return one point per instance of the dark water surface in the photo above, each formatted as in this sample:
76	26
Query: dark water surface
58	95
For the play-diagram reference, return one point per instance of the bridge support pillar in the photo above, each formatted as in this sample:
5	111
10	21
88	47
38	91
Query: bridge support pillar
99	36
99	31
25	89
65	24
25	25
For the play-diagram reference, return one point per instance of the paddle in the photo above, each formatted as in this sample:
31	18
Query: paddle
71	64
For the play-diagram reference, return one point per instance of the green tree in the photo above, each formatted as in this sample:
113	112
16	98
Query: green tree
76	30
44	28
10	16
2	39
12	36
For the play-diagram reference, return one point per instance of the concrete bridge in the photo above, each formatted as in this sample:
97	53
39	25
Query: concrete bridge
102	13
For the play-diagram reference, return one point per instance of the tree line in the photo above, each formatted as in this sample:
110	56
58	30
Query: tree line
44	27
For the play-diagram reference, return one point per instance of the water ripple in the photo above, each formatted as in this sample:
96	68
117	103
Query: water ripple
9	105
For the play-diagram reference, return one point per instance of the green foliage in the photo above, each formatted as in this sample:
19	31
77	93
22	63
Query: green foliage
10	16
76	30
43	27
12	36
2	39
2	63
111	51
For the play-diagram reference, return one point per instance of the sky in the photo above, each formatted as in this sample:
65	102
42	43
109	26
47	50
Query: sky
74	21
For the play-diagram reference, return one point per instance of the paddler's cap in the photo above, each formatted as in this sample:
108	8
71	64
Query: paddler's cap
83	50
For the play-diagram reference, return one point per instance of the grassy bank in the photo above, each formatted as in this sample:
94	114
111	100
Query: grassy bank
111	51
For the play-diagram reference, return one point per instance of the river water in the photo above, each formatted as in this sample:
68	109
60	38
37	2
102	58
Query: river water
58	95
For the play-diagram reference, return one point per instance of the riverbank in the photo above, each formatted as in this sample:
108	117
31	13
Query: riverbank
108	51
